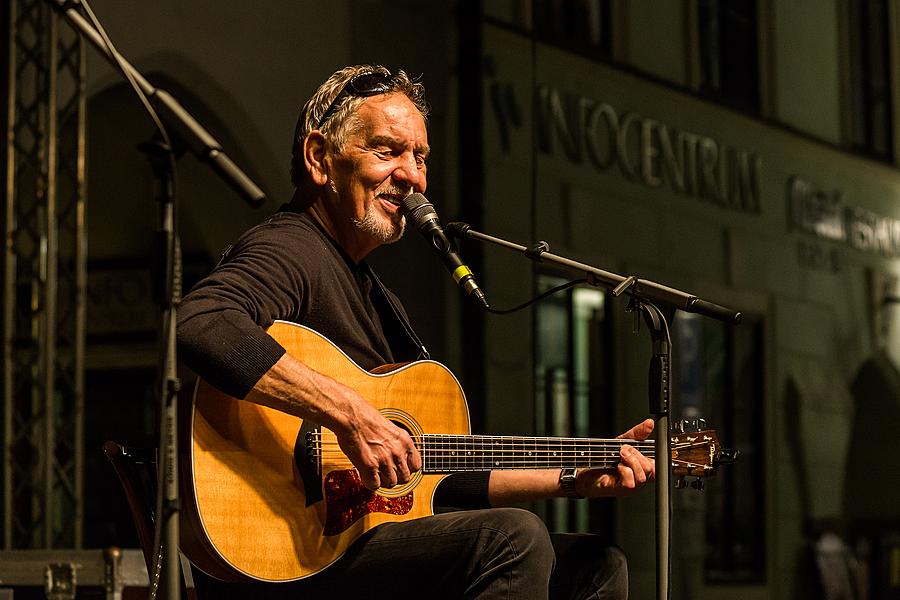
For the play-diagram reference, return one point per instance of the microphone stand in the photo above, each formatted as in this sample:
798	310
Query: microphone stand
167	294
645	295
167	282
641	289
197	139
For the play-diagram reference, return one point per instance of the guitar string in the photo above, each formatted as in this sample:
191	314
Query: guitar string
523	466
501	456
508	438
504	455
529	445
452	450
443	449
482	452
468	436
494	449
520	455
440	466
526	444
435	440
523	446
604	457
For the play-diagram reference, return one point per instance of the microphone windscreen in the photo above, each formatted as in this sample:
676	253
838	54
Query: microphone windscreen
417	209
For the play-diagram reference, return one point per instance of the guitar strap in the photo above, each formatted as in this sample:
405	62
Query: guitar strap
401	336
402	339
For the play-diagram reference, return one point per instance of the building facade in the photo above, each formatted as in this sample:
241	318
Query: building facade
744	151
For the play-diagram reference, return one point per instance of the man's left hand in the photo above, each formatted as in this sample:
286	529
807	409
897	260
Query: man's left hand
633	471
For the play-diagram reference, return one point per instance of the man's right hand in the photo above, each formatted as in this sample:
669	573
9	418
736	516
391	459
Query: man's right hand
383	453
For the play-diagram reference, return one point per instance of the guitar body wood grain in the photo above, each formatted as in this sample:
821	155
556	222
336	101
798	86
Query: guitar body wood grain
244	513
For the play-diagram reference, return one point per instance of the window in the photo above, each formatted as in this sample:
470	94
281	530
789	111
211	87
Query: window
719	376
729	52
572	383
582	26
870	127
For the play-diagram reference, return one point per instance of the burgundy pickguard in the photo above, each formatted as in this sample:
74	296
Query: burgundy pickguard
347	500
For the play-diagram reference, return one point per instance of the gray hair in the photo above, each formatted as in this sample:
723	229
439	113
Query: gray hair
342	121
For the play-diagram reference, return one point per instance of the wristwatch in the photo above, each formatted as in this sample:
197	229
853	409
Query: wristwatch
567	478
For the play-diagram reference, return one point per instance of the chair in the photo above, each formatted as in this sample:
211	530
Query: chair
136	469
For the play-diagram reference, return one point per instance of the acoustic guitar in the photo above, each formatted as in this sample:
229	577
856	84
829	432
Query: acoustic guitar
269	497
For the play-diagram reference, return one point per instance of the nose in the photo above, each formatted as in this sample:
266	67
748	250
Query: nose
408	173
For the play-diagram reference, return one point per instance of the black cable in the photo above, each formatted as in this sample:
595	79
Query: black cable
538	298
167	147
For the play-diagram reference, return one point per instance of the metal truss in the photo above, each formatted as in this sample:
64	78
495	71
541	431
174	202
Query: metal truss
44	273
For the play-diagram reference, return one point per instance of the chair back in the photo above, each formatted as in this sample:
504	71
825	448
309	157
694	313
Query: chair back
136	469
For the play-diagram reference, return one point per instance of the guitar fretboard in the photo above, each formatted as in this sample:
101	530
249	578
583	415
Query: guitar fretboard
453	453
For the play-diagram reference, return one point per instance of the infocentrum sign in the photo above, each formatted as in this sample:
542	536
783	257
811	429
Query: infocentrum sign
643	149
825	215
649	151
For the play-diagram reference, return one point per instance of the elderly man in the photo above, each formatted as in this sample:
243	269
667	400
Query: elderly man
360	147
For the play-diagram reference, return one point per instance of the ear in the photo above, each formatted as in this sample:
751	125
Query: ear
314	157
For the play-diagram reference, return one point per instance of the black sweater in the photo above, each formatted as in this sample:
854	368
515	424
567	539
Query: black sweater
288	268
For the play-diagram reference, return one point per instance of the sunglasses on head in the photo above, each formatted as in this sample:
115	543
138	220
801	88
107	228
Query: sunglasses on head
366	84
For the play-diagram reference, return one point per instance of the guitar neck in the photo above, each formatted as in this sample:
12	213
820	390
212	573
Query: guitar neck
455	453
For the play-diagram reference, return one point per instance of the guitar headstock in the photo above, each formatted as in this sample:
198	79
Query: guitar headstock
696	452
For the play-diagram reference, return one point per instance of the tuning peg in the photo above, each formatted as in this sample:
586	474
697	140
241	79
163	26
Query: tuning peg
726	456
680	483
689	425
697	425
697	484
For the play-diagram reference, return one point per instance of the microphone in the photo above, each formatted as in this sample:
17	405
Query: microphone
421	213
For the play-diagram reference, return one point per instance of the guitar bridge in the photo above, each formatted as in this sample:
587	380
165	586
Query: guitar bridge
308	461
313	450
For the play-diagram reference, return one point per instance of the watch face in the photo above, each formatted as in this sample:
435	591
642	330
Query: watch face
567	479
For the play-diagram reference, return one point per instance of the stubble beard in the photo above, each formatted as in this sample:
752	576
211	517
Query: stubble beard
386	229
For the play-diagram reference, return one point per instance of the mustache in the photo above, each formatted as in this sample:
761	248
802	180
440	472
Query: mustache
395	190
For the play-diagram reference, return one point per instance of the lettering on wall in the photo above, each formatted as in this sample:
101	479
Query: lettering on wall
646	150
506	107
824	215
815	211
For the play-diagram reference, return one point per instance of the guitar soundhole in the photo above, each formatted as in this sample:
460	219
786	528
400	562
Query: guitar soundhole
405	427
347	500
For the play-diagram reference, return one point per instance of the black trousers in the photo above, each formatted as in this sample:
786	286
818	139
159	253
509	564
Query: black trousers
485	554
